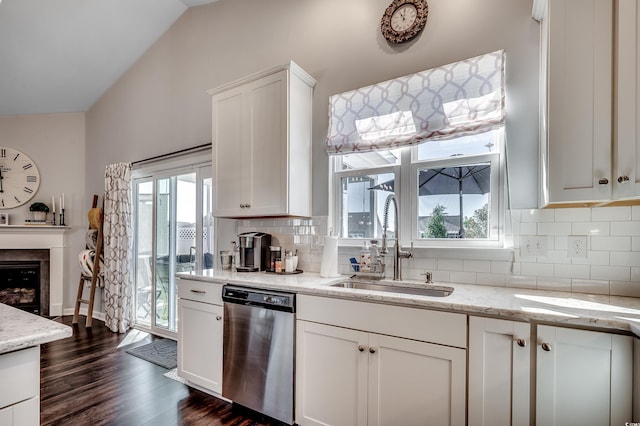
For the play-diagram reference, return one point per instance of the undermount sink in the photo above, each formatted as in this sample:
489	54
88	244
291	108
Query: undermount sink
430	290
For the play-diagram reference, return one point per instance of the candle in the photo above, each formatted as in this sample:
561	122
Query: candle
62	206
53	201
60	201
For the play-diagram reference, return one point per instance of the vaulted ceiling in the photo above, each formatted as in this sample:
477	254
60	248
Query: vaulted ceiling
62	55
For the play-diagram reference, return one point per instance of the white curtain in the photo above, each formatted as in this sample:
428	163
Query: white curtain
118	248
462	98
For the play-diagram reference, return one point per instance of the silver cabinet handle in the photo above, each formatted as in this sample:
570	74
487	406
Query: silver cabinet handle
521	342
245	205
361	348
546	347
242	205
372	350
623	179
218	317
198	291
603	181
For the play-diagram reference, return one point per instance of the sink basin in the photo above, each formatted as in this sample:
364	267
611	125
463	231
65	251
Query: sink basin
429	290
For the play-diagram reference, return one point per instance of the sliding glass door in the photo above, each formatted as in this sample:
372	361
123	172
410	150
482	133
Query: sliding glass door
171	237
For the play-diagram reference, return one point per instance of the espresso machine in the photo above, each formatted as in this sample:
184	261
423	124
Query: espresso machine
254	251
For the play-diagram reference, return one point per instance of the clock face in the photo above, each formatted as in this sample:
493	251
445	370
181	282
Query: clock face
404	19
19	178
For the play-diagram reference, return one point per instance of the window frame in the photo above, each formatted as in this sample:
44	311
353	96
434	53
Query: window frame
407	196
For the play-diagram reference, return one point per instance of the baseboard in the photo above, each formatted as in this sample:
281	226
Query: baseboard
83	311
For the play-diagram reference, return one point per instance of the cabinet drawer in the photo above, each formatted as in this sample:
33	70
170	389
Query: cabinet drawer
444	328
20	372
200	291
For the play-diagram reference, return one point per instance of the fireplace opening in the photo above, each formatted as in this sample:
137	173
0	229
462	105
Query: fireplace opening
20	285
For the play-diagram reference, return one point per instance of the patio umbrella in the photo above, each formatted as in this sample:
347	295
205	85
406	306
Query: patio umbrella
469	179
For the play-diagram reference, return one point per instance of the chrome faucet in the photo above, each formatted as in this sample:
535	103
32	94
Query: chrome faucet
398	253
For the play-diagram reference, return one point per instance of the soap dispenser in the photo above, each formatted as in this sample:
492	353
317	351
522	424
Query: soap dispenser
365	258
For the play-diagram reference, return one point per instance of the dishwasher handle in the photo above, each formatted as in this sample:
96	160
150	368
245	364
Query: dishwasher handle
268	299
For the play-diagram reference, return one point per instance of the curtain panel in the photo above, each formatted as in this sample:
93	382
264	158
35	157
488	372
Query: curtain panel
118	248
462	98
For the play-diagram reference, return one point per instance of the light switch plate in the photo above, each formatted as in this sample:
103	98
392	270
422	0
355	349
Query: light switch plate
533	246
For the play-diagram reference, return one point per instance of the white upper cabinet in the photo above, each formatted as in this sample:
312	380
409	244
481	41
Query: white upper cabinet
576	82
262	144
627	118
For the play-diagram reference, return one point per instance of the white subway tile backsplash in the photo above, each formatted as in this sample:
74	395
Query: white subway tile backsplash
497	280
625	258
635	243
635	213
499	267
573	215
450	264
534	215
572	271
611	243
590	286
612	273
528	228
610	214
520	281
625	228
554	284
590	228
537	269
625	288
562	228
597	258
463	277
476	266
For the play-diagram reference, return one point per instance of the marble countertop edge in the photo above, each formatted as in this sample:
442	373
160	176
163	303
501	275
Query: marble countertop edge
21	330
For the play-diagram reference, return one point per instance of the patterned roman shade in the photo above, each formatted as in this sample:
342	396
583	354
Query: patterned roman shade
454	100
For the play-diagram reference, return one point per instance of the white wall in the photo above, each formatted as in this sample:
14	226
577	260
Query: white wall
160	104
56	143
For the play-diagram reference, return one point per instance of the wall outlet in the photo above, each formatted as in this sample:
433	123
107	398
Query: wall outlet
533	246
577	246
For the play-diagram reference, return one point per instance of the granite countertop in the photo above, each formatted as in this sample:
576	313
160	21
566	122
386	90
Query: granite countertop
20	329
584	310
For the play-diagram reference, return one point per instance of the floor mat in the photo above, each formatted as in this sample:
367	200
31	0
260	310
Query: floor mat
173	375
160	352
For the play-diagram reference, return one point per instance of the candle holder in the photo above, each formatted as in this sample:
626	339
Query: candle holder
53	219
62	217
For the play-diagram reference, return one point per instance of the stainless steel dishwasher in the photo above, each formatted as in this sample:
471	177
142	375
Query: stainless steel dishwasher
258	350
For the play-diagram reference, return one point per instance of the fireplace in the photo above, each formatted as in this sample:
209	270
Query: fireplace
50	241
24	280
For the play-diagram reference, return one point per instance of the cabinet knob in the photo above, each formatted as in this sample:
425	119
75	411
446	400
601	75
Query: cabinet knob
603	181
361	348
521	342
372	350
623	179
546	347
218	317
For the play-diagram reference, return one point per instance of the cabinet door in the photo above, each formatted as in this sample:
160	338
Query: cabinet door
627	143
331	375
580	57
267	99
200	344
27	413
231	152
415	383
499	372
583	377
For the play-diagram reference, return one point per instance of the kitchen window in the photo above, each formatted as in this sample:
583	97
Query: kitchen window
434	139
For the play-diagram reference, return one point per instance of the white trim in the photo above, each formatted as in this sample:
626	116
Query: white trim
537	11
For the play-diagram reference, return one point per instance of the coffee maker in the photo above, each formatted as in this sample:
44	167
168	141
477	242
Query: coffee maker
254	251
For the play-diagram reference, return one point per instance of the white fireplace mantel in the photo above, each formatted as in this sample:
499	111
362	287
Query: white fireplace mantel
41	237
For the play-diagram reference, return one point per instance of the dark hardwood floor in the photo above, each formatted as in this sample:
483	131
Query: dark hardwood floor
89	379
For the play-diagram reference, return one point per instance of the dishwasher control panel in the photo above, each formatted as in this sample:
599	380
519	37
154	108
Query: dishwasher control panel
259	297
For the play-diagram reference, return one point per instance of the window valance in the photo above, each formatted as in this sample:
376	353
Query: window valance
454	100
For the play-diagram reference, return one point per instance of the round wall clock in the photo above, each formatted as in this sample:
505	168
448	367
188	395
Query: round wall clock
19	178
404	19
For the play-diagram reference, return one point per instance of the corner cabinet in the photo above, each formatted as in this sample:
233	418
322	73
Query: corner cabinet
583	377
368	364
590	72
20	390
261	134
200	329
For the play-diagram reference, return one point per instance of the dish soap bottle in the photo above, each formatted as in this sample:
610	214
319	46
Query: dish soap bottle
365	258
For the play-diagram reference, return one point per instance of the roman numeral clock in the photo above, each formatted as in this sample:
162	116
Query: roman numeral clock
19	178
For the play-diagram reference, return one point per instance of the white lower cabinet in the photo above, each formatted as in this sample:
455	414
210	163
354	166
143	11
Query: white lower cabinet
20	389
200	329
583	377
346	376
499	372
